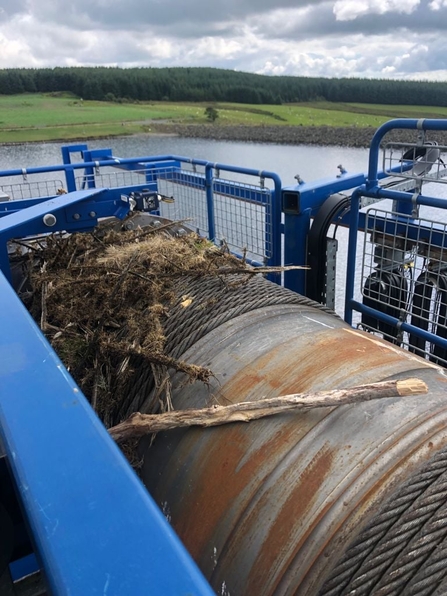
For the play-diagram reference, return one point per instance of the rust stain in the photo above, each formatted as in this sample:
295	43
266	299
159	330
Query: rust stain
226	470
275	552
326	361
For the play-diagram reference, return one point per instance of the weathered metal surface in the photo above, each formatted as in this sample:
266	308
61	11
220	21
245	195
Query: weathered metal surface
70	478
267	507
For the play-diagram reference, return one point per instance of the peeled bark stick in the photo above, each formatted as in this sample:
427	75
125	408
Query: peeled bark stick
139	425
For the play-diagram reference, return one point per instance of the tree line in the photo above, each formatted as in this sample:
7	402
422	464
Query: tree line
215	85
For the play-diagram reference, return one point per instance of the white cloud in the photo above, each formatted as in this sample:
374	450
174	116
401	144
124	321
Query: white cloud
437	4
348	10
15	52
394	38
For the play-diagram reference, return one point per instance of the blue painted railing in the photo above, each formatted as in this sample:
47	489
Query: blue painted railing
95	528
373	190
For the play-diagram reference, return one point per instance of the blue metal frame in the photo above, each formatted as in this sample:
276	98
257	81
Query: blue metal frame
112	538
371	189
64	212
169	167
96	529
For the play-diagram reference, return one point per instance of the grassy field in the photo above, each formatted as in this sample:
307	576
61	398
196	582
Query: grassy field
39	117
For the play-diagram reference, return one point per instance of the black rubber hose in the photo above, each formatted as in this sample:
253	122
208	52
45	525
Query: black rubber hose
429	285
316	245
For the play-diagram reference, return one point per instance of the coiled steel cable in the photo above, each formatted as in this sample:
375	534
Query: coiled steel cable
402	551
214	301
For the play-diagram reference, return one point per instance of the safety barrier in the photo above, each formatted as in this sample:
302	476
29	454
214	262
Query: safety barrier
403	280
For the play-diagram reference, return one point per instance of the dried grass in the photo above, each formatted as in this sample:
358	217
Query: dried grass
101	299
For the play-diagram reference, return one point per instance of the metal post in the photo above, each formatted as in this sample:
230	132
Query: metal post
352	251
210	201
67	150
296	229
276	258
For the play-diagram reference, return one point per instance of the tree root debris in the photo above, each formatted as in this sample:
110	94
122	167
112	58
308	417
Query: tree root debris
102	300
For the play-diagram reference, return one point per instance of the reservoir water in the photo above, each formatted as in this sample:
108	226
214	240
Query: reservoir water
309	162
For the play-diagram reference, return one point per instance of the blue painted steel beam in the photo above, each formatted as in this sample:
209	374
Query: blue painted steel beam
407	327
66	214
311	195
352	251
95	527
210	204
104	204
30	220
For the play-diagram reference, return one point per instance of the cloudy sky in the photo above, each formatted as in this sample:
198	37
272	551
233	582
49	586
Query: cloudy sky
341	38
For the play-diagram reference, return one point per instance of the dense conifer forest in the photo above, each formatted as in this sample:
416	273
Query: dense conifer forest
215	85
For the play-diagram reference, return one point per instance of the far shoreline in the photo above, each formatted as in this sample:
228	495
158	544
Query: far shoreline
354	137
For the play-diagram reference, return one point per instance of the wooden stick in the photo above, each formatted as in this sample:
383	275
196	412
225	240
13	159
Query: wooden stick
139	425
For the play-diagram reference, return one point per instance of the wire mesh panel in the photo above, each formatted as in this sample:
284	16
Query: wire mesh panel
183	197
419	162
404	275
112	178
30	190
242	212
244	224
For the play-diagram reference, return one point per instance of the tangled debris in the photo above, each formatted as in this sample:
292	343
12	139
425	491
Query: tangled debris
102	299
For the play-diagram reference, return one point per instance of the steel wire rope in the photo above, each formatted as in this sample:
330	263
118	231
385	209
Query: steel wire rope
214	302
397	552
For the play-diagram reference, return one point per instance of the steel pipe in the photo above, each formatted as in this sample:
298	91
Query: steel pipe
269	507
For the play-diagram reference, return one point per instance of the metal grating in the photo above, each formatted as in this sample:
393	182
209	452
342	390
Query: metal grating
184	198
245	225
33	190
115	178
421	162
404	274
242	223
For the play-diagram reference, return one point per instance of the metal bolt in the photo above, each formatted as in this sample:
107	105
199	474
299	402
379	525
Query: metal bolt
92	213
76	216
49	220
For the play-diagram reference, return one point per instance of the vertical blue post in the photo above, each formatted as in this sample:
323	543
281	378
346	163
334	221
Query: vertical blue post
352	251
67	150
296	229
89	174
269	232
210	201
276	260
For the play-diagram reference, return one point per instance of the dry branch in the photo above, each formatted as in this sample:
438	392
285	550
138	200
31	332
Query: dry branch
139	425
